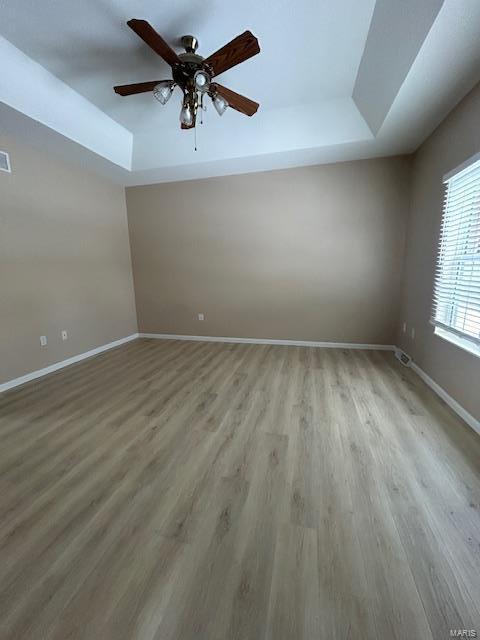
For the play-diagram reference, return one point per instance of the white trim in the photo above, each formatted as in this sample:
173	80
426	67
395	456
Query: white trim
462	343
294	343
461	167
453	404
64	363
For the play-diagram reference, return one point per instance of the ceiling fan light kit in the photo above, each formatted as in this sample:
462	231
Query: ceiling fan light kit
220	104
194	74
163	91
201	80
187	113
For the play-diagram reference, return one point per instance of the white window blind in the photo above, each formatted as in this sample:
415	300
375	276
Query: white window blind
456	305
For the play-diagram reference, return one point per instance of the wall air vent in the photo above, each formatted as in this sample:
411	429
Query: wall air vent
404	358
5	162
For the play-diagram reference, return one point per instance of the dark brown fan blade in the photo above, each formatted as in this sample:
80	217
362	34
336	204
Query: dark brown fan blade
139	87
238	50
236	100
155	41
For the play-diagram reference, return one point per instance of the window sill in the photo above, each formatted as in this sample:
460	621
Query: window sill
463	343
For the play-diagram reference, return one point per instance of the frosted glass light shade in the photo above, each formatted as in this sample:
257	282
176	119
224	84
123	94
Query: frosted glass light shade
220	104
163	90
202	81
186	115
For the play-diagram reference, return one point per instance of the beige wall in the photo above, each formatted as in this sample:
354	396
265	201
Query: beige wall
309	254
64	262
455	140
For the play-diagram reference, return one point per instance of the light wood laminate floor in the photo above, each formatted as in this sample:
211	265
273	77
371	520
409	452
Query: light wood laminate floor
187	490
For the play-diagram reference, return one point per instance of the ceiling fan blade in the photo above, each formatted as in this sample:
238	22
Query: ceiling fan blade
236	100
139	87
238	50
155	41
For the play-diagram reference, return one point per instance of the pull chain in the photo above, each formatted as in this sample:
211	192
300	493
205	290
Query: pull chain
202	109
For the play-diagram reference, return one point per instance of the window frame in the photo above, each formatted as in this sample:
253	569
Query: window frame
443	331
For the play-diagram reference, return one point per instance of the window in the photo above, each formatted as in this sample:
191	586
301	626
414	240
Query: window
456	306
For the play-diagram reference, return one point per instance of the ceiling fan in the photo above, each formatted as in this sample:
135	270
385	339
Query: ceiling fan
194	74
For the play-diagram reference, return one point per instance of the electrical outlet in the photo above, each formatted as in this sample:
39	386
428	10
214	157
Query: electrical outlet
64	335
412	333
404	327
43	341
201	316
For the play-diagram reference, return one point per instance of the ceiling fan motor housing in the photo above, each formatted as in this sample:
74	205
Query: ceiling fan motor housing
191	62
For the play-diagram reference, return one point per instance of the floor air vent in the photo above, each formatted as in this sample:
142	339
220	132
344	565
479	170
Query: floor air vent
5	162
403	357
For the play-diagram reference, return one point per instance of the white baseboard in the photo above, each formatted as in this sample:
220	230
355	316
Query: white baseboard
64	363
294	343
453	404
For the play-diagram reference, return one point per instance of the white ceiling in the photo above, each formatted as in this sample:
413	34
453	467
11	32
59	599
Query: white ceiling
88	45
330	78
